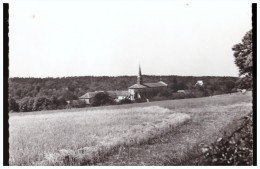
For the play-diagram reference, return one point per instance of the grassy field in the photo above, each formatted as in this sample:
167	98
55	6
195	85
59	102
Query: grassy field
155	133
46	139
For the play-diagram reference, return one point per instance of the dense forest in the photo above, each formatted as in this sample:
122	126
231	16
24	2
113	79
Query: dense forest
32	94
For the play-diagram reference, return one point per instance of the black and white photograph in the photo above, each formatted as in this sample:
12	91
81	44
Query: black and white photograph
130	83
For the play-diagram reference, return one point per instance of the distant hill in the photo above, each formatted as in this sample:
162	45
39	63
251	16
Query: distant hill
73	87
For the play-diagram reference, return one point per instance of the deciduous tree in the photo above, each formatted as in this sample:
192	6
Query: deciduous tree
243	57
230	85
102	99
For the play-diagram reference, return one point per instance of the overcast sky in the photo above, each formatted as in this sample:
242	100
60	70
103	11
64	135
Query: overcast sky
110	38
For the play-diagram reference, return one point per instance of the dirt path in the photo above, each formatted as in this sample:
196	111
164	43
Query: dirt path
181	144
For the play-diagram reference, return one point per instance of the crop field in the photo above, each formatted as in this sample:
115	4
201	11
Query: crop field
122	135
43	139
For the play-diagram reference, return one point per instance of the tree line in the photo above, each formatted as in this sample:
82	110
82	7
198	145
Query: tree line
34	94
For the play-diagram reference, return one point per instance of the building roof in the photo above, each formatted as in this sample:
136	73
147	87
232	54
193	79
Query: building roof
148	85
89	95
158	84
163	83
137	86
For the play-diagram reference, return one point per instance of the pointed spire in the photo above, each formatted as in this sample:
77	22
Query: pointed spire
139	77
139	73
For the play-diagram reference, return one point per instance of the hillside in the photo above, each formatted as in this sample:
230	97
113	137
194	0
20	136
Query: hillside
77	86
52	93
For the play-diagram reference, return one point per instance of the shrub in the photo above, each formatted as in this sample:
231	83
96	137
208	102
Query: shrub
13	105
236	149
102	99
125	101
25	104
61	102
41	103
78	103
178	96
165	93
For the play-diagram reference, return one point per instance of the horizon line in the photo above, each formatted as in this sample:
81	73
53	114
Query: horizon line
117	76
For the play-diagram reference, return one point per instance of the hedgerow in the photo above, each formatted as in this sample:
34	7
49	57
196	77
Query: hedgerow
235	149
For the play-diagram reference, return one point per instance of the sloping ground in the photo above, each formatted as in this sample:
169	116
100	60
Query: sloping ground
208	122
208	116
84	138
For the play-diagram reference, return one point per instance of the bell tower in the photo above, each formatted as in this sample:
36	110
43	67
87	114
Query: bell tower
139	77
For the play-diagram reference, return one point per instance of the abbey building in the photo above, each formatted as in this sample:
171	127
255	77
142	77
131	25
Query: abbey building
139	91
144	91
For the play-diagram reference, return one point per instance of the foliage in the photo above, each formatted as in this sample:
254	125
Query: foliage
244	83
102	98
214	87
230	85
25	104
77	103
60	90
243	57
61	101
125	101
166	93
178	96
236	149
178	86
39	103
69	96
13	106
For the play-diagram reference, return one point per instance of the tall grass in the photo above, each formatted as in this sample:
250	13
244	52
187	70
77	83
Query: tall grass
85	137
211	117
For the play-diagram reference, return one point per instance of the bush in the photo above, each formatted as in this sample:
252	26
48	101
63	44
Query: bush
165	93
61	102
236	149
77	103
200	92
178	96
41	103
125	101
26	104
102	99
13	105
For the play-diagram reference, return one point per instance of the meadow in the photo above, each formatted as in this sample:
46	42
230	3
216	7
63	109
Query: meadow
48	138
112	135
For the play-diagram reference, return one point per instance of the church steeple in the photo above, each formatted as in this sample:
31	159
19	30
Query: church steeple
139	77
139	73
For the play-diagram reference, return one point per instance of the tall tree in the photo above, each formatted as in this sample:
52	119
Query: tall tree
243	57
